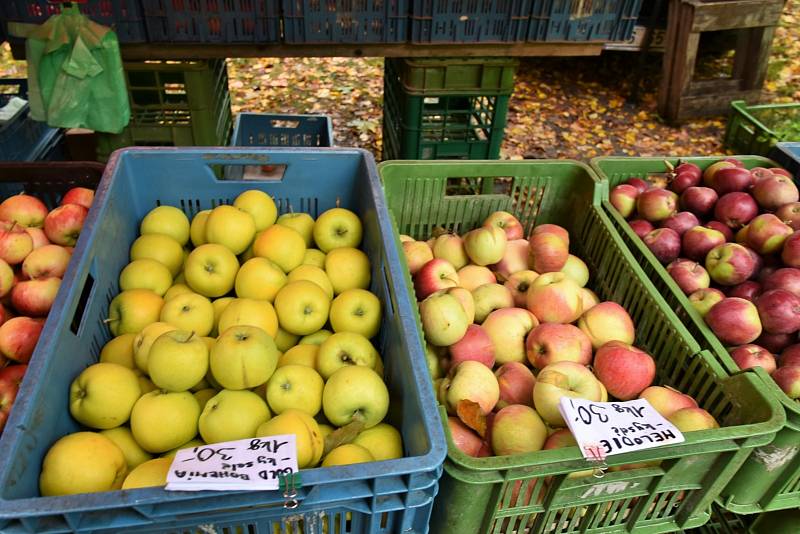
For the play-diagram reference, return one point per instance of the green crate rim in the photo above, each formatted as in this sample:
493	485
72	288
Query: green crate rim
400	68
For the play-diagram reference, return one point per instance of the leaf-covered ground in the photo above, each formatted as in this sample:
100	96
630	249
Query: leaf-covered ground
561	107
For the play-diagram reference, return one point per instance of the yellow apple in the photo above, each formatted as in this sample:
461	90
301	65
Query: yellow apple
175	290
347	268
230	227
325	430
260	206
310	443
303	223
232	415
259	313
191	312
161	248
337	227
132	310
133	453
119	350
167	220
383	441
146	385
83	462
315	338
197	231
284	340
196	442
150	473
347	454
300	355
356	310
177	360
144	340
295	386
103	395
342	349
259	278
145	274
219	306
243	357
204	395
314	257
355	392
211	270
281	245
162	420
312	274
302	307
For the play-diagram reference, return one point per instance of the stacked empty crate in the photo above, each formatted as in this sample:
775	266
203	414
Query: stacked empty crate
21	137
452	108
174	103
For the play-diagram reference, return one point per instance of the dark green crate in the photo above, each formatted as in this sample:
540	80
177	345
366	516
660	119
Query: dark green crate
439	76
725	522
756	129
770	480
174	103
477	494
450	126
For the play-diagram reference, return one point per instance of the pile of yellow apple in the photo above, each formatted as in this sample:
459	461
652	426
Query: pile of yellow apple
250	333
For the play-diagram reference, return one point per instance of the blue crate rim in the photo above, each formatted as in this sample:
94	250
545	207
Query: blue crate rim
39	506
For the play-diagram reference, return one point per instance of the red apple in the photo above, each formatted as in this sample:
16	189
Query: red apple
35	297
689	275
781	171
516	384
689	168
759	173
623	198
471	277
666	400
18	337
623	369
737	162
767	233
774	343
435	275
559	439
464	437
692	420
549	343
704	299
749	356
641	227
547	252
787	278
790	357
507	222
49	261
79	195
656	205
664	243
732	180
681	222
791	250
735	321
518	283
788	379
720	227
730	264
417	254
15	243
773	192
555	298
711	170
475	345
63	225
639	184
698	241
515	259
25	210
748	290
699	200
38	237
735	209
683	181
790	214
560	231
779	311
8	394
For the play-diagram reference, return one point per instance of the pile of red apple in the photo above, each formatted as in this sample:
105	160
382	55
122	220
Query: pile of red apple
729	239
35	249
511	329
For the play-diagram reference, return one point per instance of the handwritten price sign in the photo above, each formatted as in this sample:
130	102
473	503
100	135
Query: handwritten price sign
247	464
605	428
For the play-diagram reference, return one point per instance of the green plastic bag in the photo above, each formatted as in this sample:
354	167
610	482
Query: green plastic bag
75	74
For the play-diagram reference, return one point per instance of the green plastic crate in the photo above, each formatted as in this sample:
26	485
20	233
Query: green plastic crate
483	494
770	480
439	76
725	522
444	126
756	129
174	103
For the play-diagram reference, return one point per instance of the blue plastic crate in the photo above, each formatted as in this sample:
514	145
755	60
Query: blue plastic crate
345	21
271	129
469	21
598	20
379	495
22	138
123	16
217	21
788	155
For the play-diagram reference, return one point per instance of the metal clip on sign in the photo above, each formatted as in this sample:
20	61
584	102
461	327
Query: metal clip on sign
597	460
290	484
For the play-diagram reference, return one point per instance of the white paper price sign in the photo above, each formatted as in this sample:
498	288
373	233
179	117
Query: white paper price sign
605	428
246	464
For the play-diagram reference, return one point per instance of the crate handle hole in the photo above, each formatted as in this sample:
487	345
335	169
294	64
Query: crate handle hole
278	123
77	318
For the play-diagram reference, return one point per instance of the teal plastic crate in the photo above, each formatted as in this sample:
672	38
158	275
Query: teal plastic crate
276	130
375	498
788	156
597	20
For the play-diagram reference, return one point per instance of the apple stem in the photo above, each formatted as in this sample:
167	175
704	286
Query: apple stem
338	202
670	166
109	320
